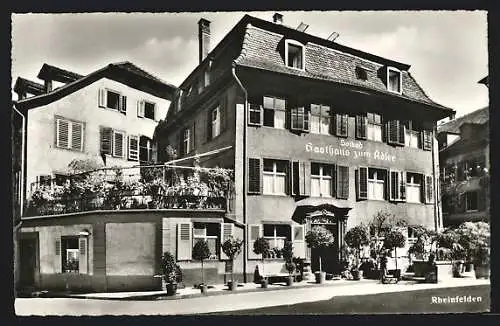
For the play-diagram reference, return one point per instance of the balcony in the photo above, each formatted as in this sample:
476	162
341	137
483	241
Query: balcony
133	188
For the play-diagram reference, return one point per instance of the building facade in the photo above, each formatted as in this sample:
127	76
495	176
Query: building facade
310	123
464	155
108	116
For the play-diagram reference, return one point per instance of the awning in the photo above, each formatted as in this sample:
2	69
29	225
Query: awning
309	205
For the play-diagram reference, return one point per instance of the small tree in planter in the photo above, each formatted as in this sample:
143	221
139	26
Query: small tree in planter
356	238
172	273
232	248
475	238
287	253
261	247
201	251
394	239
319	238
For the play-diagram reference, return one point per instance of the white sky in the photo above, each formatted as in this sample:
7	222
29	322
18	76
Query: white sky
447	50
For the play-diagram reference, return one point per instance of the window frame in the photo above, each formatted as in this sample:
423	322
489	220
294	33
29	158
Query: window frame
274	173
64	253
148	148
369	123
408	183
287	59
304	117
320	116
376	181
108	90
321	176
275	238
274	109
216	122
466	197
204	236
154	110
388	74
411	129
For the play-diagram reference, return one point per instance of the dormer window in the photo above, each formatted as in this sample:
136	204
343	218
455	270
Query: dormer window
394	81
361	73
294	54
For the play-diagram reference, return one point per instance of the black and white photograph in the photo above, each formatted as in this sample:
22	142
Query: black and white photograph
250	163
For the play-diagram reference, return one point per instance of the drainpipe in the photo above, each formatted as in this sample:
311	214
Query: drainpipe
434	184
233	71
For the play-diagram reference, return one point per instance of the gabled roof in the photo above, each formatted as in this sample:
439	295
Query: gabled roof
54	73
28	86
124	72
480	116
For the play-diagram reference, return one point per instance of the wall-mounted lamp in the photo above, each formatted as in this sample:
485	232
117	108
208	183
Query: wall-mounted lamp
85	232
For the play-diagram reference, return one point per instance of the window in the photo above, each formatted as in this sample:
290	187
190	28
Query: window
274	177
321	180
471	199
255	114
397	186
208	232
412	134
361	73
320	119
294	54
186	141
277	234
342	187
474	167
61	179
341	123
376	183
374	126
112	142
145	149
69	134
215	122
427	140
300	119
112	100
412	235
395	132
394	80
44	180
414	183
133	148
149	110
70	254
274	112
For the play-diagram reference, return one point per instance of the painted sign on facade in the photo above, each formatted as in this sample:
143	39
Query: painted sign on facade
349	148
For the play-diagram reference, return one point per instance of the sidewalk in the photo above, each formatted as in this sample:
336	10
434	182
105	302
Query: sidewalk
221	289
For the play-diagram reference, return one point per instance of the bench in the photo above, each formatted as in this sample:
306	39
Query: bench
273	271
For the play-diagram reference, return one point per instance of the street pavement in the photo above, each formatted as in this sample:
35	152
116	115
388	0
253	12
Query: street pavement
213	304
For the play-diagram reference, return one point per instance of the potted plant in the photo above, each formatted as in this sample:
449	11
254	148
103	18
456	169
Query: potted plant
201	251
319	238
232	248
290	266
172	273
356	238
475	237
395	239
261	247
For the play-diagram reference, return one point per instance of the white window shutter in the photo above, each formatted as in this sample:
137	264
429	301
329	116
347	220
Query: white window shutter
133	148
298	240
254	232
62	133
118	139
102	98
83	259
140	109
77	136
184	241
226	231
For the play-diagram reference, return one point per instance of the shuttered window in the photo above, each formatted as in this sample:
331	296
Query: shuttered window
341	122
395	132
118	138
361	126
112	100
397	185
342	184
69	134
255	112
133	148
254	171
362	183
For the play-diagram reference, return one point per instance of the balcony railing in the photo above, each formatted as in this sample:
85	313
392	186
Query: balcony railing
159	189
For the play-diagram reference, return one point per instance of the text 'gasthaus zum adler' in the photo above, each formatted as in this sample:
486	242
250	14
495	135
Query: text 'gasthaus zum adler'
349	148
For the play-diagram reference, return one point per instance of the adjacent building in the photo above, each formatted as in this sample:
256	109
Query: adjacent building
320	134
464	156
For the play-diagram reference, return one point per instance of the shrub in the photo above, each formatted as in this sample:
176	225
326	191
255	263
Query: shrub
287	251
170	269
319	237
394	239
201	251
261	247
356	238
232	248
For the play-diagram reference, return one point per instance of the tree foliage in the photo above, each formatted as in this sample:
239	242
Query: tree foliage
319	237
232	247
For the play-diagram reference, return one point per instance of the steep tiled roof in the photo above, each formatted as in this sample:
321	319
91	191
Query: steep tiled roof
261	50
480	116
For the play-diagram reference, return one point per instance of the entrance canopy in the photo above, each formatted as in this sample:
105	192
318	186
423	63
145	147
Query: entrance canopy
329	206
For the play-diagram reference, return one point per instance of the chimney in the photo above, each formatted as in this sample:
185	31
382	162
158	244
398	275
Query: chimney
48	85
278	18
203	38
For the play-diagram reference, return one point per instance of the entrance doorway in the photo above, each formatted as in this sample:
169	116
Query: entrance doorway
27	252
329	256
